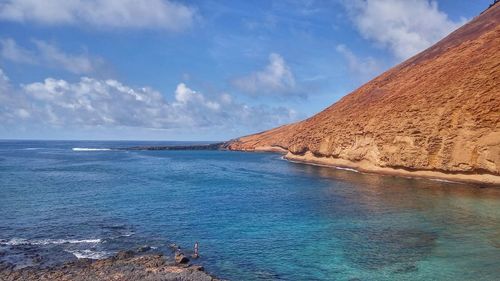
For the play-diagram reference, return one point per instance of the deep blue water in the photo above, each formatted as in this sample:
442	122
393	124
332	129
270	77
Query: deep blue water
257	217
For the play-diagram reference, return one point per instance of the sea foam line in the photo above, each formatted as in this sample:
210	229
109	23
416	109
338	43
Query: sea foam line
89	254
21	241
89	149
321	165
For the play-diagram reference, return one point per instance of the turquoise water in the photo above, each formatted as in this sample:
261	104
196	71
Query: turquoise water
257	217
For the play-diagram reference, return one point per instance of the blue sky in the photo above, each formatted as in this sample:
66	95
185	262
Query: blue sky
198	70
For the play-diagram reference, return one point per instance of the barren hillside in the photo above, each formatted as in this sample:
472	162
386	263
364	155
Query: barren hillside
435	115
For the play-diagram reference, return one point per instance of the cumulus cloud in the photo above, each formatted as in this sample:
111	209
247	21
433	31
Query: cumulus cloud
162	14
275	79
49	55
109	103
363	68
404	27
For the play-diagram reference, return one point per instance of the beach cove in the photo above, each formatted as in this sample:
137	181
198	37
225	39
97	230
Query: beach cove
256	216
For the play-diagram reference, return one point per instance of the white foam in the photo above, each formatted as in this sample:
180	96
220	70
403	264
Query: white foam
21	241
90	149
321	165
89	254
15	241
347	169
443	180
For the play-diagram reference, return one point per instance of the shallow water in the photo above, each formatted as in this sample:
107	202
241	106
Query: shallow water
257	217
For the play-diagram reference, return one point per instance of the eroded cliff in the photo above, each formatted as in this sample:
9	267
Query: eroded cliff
436	114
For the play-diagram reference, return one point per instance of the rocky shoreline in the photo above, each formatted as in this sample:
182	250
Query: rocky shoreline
485	179
126	265
212	146
434	115
482	180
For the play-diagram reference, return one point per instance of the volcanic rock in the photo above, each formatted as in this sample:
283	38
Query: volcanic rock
435	115
123	267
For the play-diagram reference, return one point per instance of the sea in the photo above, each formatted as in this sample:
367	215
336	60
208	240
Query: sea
255	215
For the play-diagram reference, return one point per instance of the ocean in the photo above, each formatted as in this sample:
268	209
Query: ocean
255	215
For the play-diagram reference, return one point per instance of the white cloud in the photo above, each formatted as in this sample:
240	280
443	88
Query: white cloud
405	27
11	106
78	64
49	55
4	80
94	103
363	68
275	79
162	14
11	51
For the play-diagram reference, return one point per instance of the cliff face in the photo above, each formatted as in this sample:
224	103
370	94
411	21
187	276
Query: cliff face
436	113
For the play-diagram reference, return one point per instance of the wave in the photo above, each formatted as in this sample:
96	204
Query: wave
346	169
321	165
21	241
89	254
446	181
90	149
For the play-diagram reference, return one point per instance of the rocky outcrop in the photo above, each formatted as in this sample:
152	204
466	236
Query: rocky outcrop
211	146
126	266
436	114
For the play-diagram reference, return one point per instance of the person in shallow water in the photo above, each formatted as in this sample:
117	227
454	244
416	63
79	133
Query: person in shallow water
195	254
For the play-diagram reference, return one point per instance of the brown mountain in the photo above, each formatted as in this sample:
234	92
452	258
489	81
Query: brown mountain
435	115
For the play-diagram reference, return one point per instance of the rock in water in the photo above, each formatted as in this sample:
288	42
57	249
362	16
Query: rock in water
143	249
181	258
124	255
435	115
120	267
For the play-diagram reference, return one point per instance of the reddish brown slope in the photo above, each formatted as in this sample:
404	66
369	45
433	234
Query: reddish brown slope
436	114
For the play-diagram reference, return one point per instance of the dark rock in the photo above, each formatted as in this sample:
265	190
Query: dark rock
124	266
181	258
79	262
197	267
124	255
143	267
143	249
213	146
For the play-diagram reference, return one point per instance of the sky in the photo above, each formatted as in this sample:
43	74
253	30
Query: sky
198	70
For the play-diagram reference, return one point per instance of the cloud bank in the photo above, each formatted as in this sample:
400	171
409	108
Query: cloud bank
160	14
49	55
404	27
276	78
109	103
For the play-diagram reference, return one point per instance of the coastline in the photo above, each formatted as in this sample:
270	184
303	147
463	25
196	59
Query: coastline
360	166
125	265
368	167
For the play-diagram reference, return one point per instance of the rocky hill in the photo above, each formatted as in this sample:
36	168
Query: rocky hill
435	115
